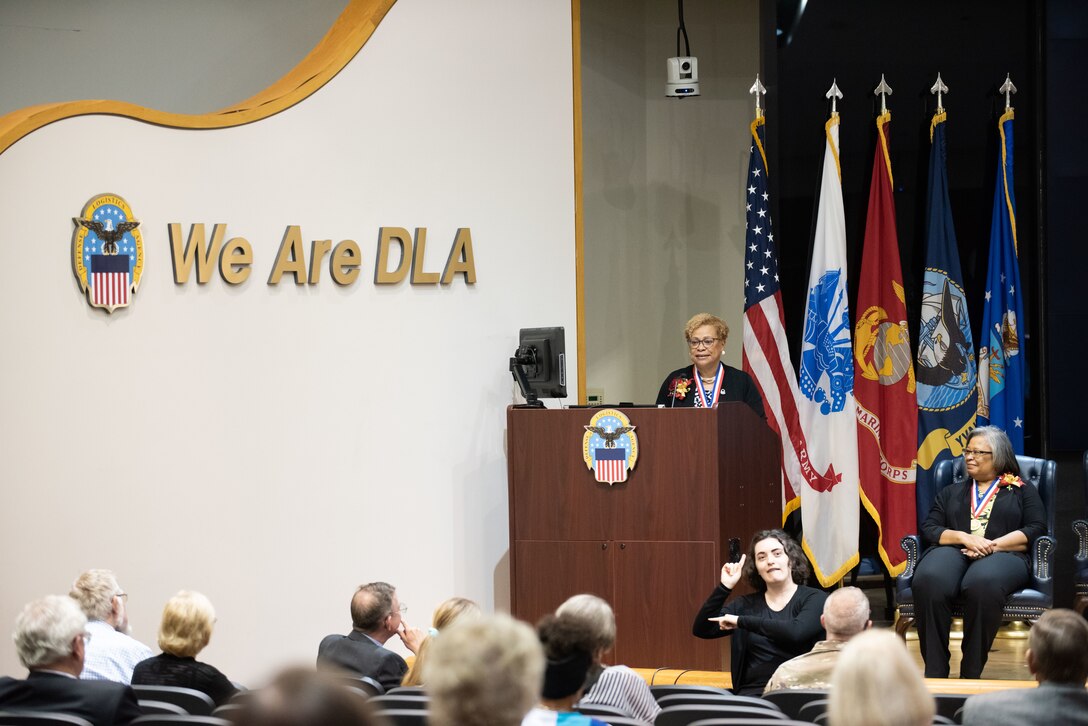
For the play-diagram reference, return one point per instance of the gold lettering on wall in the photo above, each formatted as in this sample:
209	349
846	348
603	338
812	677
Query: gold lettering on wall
183	254
345	262
419	276
291	258
460	260
386	237
318	250
235	260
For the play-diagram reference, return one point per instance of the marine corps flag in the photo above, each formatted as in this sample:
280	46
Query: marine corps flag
884	384
947	391
1001	362
829	499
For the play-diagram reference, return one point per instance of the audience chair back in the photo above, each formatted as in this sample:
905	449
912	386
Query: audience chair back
167	720
599	709
195	703
150	708
790	700
949	703
686	715
391	701
713	699
405	691
406	716
812	710
749	722
1027	604
624	721
670	690
41	719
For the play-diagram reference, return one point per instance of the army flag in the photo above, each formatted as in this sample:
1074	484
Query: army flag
947	391
1001	362
826	409
884	385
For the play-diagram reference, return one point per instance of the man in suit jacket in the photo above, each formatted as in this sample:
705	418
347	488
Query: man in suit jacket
49	639
376	616
1057	656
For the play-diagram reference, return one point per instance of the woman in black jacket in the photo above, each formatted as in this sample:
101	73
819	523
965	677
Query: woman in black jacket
978	533
779	621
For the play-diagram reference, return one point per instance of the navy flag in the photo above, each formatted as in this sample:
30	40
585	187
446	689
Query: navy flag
946	372
1002	364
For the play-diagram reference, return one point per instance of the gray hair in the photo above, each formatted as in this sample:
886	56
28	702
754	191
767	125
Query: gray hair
485	672
45	629
94	590
1004	457
596	614
846	612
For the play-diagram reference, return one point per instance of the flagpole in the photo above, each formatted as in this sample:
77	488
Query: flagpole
758	90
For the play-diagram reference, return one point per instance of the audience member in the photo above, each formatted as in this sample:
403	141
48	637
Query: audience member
376	616
617	686
444	616
112	652
875	683
186	628
50	640
484	672
778	621
569	656
1057	656
302	697
846	613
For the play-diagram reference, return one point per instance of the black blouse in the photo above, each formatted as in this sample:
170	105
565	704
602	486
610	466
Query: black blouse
170	670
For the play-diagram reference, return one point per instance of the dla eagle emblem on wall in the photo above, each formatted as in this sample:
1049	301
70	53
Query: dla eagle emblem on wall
609	446
108	252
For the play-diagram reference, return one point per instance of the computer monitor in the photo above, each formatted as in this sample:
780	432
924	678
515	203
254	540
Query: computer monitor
539	365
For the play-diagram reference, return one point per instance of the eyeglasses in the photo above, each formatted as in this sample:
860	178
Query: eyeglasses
86	636
402	609
122	595
976	453
702	342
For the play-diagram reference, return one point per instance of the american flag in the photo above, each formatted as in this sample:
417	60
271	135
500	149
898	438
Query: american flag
110	280
766	352
610	465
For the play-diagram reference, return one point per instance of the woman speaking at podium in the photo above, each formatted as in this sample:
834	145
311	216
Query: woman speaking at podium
708	381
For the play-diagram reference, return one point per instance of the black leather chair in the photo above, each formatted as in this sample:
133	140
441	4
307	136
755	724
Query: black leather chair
391	701
685	715
1027	604
791	700
714	699
149	708
659	691
1080	576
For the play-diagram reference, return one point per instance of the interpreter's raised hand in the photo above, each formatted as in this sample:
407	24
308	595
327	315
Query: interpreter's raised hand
979	545
725	622
411	637
731	573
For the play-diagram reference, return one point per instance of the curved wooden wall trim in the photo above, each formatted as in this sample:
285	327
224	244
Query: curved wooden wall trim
345	38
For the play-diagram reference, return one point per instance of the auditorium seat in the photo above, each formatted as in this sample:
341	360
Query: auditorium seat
41	719
686	715
148	708
1027	604
406	716
790	700
813	710
712	699
392	701
669	690
748	722
194	702
173	720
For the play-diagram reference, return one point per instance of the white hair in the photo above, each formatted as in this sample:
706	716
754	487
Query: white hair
485	672
45	629
594	612
846	612
875	683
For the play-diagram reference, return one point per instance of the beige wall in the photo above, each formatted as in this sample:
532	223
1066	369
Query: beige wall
664	214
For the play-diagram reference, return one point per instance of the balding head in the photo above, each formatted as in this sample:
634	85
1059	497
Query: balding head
846	613
375	610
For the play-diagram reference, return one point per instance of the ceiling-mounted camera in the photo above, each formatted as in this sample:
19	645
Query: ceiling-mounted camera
682	76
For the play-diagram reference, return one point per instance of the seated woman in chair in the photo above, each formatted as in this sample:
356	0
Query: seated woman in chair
978	534
779	621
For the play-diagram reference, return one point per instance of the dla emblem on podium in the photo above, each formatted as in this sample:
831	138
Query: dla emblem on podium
609	446
108	252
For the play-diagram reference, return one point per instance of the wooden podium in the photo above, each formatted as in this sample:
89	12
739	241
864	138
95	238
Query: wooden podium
652	546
